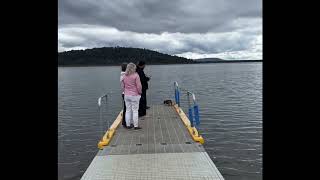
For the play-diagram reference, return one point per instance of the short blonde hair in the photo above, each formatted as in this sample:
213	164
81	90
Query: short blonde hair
131	68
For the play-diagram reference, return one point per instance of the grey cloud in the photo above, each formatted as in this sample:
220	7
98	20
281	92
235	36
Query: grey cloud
156	16
227	29
90	36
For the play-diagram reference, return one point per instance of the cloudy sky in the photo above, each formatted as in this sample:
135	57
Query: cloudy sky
228	29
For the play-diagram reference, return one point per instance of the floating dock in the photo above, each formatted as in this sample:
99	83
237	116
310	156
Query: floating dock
166	147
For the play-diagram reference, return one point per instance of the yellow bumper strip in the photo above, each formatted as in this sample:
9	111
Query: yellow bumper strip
110	132
192	130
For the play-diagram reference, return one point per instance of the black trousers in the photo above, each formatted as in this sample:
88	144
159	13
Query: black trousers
143	103
124	112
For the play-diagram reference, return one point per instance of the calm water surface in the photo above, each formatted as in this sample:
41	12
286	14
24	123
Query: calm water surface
229	97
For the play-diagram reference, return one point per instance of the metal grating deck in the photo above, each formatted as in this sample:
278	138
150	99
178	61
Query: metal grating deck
162	149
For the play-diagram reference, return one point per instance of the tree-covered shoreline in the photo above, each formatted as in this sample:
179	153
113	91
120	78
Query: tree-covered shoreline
114	56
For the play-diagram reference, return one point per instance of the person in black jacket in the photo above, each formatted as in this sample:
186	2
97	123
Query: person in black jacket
123	70
144	82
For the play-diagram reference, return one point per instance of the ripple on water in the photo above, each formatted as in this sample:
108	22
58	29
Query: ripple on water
229	98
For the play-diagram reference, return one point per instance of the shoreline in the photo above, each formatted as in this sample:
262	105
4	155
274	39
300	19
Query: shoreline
229	61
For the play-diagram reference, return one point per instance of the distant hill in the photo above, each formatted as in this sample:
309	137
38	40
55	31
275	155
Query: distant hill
218	60
209	60
115	56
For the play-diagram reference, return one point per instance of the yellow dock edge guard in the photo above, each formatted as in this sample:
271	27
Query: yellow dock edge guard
192	130
109	134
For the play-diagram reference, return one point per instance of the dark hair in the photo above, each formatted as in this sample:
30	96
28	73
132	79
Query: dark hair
123	67
141	63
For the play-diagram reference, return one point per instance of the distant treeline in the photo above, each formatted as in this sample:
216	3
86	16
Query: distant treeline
107	56
115	56
227	61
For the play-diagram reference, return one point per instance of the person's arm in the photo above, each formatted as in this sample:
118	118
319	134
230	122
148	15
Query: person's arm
139	86
145	77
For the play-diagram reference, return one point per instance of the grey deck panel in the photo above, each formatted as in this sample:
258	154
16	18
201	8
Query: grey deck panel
159	166
162	149
162	132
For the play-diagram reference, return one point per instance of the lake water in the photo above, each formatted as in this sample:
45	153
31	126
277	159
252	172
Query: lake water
229	97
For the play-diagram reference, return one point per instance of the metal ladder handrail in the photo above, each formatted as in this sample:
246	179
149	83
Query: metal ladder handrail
99	99
176	85
195	104
100	118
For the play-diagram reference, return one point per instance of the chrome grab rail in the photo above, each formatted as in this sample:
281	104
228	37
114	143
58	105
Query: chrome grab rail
100	112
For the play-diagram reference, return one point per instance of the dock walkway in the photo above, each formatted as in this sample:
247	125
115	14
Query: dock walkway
162	149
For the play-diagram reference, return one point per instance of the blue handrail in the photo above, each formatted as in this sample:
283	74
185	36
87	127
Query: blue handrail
193	112
177	93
